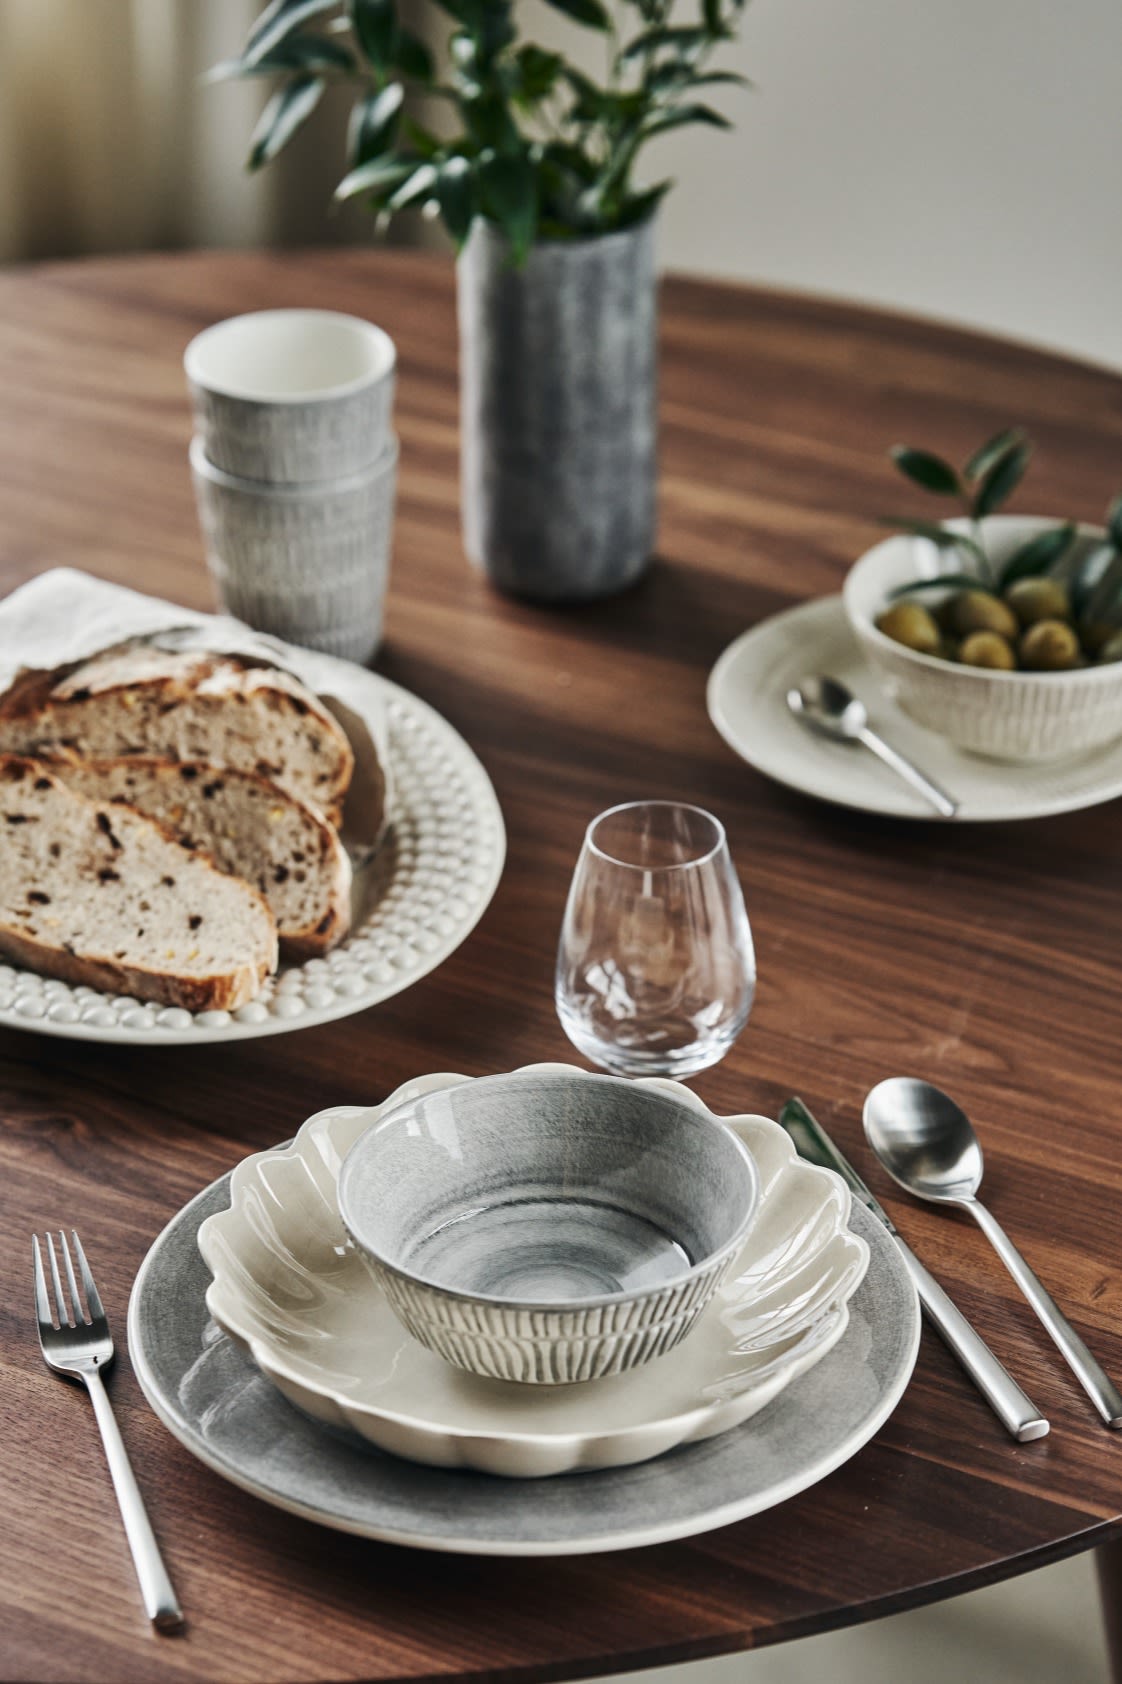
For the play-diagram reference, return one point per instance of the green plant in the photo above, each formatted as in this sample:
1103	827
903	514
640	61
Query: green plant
534	145
990	476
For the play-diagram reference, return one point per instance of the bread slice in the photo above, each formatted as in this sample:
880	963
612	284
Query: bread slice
248	826
139	699
95	893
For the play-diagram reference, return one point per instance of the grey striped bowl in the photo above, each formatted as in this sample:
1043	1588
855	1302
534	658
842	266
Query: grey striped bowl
1006	715
549	1226
306	563
291	397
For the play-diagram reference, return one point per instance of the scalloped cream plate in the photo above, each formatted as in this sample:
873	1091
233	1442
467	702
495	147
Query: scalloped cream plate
291	1290
413	903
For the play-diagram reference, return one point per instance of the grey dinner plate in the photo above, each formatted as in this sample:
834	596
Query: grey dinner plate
212	1398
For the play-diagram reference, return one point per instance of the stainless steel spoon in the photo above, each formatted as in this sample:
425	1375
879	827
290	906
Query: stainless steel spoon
927	1145
826	706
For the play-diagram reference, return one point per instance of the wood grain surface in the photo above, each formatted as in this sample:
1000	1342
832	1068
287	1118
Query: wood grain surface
984	958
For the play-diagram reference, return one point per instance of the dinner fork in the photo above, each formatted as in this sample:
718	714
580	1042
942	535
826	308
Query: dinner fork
77	1343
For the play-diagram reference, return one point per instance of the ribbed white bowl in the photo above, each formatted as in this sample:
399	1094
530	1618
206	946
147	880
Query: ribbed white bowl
1009	715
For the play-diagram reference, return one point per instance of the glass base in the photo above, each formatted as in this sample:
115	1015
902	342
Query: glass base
623	1060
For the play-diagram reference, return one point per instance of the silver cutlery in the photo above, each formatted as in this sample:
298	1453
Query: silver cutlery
1017	1413
928	1145
77	1344
825	705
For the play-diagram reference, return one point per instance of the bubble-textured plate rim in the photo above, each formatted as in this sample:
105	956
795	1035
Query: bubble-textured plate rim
442	859
280	1256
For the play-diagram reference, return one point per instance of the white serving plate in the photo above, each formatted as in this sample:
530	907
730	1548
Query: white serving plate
414	903
746	700
292	1290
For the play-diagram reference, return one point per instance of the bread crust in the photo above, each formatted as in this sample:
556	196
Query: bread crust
42	701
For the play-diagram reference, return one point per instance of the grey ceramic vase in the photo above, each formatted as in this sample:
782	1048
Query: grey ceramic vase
557	409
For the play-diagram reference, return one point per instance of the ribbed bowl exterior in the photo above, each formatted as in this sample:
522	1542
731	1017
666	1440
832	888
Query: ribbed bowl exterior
1005	715
308	564
295	443
550	1347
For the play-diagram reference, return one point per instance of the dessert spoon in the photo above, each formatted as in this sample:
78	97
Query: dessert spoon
928	1146
828	707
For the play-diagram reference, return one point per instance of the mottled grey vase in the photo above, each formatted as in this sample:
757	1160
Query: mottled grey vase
557	408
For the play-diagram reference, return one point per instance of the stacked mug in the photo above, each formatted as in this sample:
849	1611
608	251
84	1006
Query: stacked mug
294	461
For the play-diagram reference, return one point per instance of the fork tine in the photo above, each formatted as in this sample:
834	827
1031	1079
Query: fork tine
42	1302
93	1297
64	1317
71	1282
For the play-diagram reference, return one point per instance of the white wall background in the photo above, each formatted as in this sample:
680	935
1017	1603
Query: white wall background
956	158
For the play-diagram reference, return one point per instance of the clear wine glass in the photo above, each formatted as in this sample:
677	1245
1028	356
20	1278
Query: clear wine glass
655	969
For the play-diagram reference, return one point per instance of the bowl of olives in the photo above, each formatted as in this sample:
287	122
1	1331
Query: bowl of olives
1017	671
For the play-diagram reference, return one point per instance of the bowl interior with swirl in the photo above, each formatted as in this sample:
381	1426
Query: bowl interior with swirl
548	1225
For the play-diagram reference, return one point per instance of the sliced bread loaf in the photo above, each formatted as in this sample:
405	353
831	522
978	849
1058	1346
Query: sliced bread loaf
249	826
183	706
97	894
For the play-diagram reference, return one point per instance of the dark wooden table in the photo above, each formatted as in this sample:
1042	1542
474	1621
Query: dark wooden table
984	958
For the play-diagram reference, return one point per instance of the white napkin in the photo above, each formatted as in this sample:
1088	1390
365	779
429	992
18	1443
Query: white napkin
65	616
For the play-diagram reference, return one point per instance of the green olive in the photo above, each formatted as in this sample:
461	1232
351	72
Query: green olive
1049	646
987	649
976	611
909	623
1112	650
1038	599
942	612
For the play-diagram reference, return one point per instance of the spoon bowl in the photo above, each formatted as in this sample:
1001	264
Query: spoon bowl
924	1140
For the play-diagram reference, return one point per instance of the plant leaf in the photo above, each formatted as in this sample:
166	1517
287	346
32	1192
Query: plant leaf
1106	596
926	469
412	57
373	124
1001	478
683	40
678	115
636	207
987	454
1114	522
455	194
418	185
1037	555
379	175
589	12
508	186
296	52
711	12
375	26
959	581
277	21
288	108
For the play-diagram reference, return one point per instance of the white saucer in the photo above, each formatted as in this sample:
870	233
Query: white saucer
746	700
291	1289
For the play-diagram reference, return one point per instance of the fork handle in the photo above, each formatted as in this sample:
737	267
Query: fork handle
160	1601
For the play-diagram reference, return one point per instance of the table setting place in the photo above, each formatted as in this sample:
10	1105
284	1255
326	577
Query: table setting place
544	1311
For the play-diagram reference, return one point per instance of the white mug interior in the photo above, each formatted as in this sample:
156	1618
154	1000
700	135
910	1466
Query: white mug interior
289	356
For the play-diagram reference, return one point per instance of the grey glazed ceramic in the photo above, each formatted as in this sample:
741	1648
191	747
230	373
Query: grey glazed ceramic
233	1419
307	563
557	407
548	1227
292	396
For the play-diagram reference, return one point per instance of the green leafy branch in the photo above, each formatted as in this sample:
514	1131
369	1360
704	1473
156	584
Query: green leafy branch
981	486
539	149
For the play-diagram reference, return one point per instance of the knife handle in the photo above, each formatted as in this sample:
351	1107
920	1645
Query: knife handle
1017	1413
